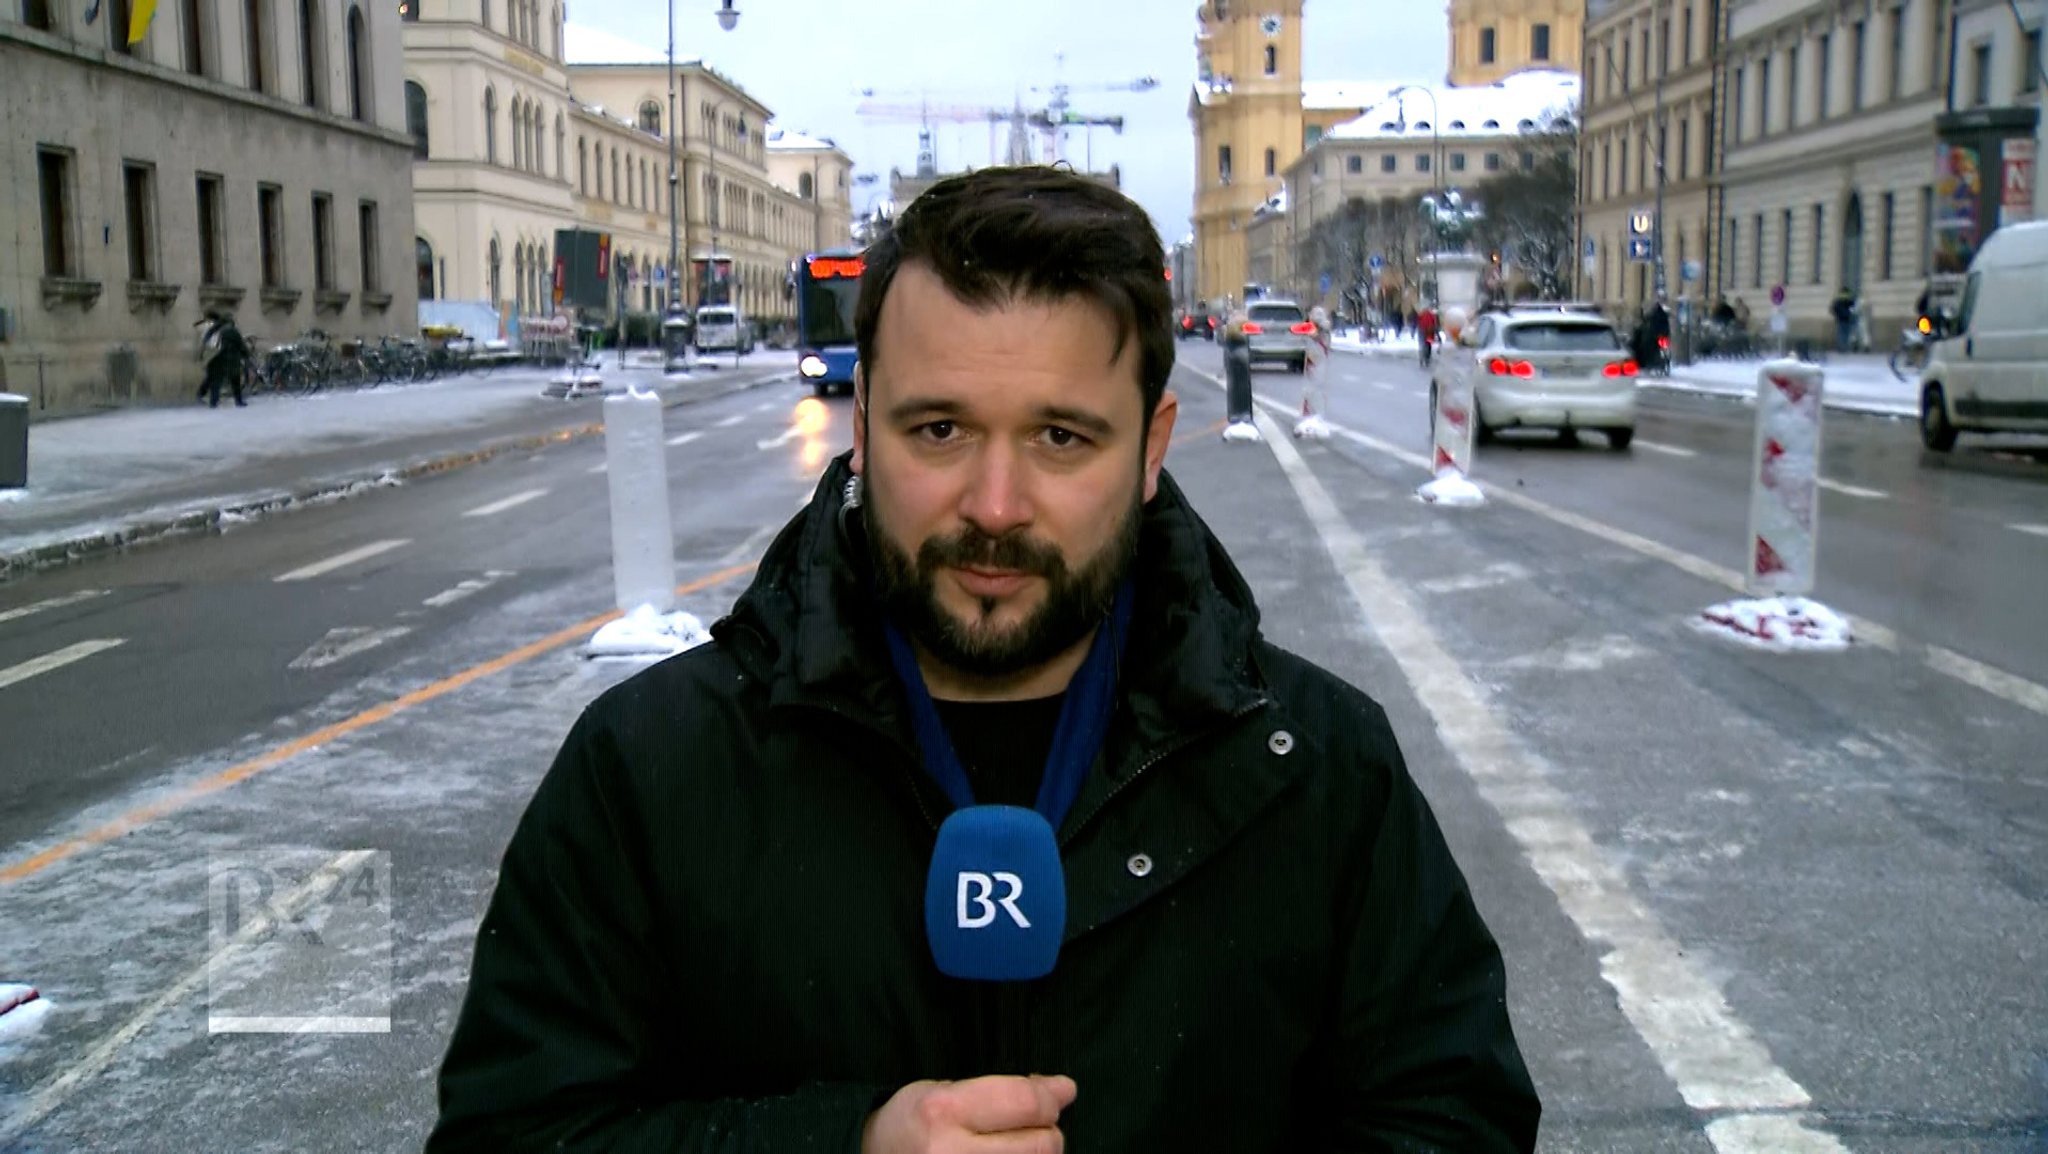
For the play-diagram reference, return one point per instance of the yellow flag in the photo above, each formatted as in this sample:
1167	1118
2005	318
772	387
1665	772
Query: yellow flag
139	18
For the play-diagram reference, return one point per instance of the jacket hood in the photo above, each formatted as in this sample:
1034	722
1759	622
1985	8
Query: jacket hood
809	627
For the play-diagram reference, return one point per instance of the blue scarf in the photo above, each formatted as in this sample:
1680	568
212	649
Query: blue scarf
1083	725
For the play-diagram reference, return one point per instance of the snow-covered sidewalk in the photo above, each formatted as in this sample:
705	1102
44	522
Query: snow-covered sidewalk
1861	383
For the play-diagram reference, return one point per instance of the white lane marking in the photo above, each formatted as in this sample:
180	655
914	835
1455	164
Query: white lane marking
1487	578
232	1024
1386	387
1713	1058
1853	490
16	674
52	1093
512	502
1990	679
473	585
729	422
343	560
600	467
2036	530
66	600
685	438
788	435
1667	450
764	406
344	642
745	549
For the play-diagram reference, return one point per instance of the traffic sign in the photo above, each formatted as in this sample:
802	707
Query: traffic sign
1376	262
1326	284
1592	248
1640	250
1642	223
1691	270
1777	294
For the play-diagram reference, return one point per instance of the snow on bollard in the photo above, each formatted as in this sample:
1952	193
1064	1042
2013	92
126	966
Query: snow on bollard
1450	426
22	1011
643	538
1784	521
1314	400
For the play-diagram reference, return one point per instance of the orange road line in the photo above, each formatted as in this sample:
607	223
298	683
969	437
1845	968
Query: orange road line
143	815
1209	431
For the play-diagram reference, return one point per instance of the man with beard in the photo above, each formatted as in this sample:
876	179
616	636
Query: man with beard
708	931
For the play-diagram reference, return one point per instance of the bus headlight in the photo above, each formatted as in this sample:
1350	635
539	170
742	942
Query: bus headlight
811	366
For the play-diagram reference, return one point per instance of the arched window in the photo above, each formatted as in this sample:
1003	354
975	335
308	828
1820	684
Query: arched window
561	148
312	58
804	186
423	267
512	123
519	280
416	117
582	166
492	273
358	85
490	126
540	137
650	117
1272	60
617	197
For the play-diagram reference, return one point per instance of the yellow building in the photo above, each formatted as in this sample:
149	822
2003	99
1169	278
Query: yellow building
1493	39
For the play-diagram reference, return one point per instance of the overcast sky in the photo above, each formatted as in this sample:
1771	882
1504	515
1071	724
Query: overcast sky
809	59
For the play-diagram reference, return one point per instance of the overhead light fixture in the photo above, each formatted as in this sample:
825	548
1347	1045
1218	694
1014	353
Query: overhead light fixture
728	16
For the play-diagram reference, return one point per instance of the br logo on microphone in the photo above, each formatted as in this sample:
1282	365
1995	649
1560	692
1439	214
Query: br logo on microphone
996	898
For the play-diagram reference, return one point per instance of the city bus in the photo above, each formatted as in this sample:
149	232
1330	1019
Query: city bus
826	286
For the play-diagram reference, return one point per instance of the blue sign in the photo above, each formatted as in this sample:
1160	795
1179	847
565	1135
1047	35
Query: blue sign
1691	270
1326	284
1640	250
1376	262
1592	248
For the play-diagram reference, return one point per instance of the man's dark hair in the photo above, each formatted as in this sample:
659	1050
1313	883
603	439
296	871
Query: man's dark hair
1032	233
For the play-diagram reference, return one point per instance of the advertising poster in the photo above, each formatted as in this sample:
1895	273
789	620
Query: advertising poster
1958	191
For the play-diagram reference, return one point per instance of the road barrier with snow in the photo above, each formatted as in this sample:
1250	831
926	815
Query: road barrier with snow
643	543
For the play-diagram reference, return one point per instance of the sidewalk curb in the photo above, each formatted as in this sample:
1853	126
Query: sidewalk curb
151	528
1860	408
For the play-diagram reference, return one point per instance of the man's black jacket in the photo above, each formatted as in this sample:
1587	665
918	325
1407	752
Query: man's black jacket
708	930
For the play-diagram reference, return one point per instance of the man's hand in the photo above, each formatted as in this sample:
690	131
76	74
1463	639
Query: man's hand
995	1115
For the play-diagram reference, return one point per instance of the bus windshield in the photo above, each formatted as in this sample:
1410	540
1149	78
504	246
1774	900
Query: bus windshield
825	304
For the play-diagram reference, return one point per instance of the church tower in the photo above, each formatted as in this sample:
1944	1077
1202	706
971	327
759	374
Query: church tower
1247	116
1491	39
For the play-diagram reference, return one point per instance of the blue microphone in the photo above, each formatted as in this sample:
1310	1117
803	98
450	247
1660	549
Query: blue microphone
995	901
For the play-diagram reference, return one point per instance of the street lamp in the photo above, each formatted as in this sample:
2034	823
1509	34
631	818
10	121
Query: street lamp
728	16
1436	169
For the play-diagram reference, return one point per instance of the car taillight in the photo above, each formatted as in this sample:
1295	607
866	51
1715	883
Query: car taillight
1663	343
1501	367
1253	328
1304	329
1212	322
1622	369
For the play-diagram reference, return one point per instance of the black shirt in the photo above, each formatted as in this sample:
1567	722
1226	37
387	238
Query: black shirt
1003	745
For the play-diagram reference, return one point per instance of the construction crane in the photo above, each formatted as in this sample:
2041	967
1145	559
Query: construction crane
1052	121
925	114
1057	117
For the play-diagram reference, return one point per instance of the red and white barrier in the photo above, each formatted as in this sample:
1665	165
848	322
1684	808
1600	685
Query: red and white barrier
1314	398
1450	450
22	1011
1784	520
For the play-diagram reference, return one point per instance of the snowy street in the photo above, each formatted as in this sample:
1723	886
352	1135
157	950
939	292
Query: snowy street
1748	901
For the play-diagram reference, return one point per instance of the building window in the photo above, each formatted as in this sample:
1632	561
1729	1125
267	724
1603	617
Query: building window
1272	60
1884	241
1756	243
37	14
492	269
138	188
1493	162
1792	87
190	13
1539	42
1623	167
270	235
1735	108
555	28
582	166
358	88
1685	147
1528	162
650	117
1785	257
1859	48
490	126
1390	163
1457	162
323	241
804	186
416	117
366	235
1824	51
1895	54
561	148
2030	62
254	22
1422	162
1980	74
1685	34
213	250
1664	47
617	197
1606	171
1272	162
1487	47
1819	242
53	178
1223	163
423	267
1731	246
120	13
310	48
1763	97
484	13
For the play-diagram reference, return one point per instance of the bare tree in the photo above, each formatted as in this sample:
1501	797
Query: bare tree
1528	210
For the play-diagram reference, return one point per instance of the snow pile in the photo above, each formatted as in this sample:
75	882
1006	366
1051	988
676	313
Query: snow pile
646	632
1312	427
22	1011
1452	489
7	495
1242	431
1781	624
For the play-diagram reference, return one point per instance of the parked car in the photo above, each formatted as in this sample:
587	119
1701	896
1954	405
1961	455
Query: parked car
1278	330
1544	369
1989	372
723	328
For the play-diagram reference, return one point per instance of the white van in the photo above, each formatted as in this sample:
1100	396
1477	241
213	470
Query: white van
1991	374
723	328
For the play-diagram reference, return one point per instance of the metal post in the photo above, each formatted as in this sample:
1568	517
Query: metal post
1663	134
675	182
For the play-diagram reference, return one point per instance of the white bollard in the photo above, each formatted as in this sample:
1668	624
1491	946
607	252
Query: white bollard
1452	428
643	537
1784	496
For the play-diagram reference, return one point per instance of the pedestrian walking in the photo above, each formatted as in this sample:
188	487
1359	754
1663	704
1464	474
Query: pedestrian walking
227	358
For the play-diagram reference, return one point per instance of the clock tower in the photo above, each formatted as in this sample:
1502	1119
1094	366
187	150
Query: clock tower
1247	115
